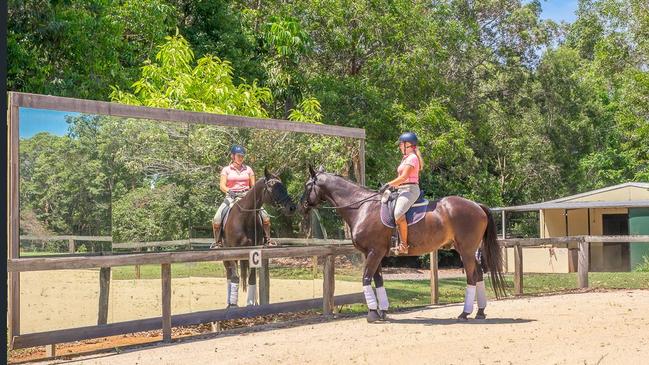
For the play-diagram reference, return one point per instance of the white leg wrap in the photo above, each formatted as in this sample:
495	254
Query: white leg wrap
233	293
469	298
252	295
382	296
370	298
481	293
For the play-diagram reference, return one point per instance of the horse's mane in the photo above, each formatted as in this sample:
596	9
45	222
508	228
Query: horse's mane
365	188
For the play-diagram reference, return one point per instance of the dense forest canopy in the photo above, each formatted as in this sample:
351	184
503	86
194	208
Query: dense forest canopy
511	108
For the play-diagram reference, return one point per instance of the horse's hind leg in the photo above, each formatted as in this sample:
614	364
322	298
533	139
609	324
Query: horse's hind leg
232	274
481	291
252	287
471	268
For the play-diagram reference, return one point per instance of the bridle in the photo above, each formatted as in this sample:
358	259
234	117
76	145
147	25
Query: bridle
268	189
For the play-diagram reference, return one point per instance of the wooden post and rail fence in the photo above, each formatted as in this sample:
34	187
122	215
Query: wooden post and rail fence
318	247
166	321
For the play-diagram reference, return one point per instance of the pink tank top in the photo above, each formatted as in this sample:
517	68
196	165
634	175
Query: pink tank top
412	160
237	179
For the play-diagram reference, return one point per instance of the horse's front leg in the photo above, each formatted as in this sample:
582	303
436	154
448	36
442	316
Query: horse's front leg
381	294
232	275
372	262
252	287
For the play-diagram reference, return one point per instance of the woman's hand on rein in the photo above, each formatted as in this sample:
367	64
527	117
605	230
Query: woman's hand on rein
384	187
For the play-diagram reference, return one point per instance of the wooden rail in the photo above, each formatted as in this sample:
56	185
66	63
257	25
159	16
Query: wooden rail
185	242
509	242
188	319
329	251
193	242
177	116
70	238
582	242
165	259
90	262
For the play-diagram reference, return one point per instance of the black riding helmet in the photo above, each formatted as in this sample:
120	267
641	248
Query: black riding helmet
409	137
237	150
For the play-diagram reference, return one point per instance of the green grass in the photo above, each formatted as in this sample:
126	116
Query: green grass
182	270
216	269
408	293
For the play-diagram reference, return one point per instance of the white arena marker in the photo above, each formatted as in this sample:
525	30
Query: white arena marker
255	258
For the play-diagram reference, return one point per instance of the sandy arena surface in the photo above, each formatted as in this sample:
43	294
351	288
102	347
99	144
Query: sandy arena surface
585	328
43	308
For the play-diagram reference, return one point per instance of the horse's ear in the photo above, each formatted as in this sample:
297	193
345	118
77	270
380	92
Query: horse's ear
311	171
321	169
267	174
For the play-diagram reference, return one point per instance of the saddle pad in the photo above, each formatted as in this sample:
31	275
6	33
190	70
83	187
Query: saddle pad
416	213
226	213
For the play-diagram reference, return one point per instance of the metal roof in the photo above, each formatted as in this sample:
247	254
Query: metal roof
575	205
641	185
568	203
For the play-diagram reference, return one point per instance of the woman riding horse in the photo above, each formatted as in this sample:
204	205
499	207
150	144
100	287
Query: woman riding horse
467	225
236	180
407	183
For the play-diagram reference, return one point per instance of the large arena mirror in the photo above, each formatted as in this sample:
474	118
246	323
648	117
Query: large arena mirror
65	182
151	198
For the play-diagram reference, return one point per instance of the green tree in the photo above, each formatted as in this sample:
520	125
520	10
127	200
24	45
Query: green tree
80	48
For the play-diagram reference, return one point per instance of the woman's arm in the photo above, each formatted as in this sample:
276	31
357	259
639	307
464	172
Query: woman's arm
252	180
403	177
222	184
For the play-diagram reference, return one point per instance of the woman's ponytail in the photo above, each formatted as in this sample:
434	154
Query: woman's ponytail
421	159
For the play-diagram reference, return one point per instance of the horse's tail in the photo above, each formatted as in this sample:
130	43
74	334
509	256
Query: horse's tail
493	255
244	274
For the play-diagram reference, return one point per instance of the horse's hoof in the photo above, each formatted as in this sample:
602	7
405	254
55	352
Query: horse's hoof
383	315
232	306
373	316
463	317
480	314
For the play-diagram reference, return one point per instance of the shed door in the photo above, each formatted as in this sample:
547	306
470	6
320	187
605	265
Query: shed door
638	224
616	254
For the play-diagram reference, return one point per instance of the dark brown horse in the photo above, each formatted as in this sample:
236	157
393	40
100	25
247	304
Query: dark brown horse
467	225
244	228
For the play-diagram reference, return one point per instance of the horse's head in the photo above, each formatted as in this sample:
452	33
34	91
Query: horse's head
312	196
278	194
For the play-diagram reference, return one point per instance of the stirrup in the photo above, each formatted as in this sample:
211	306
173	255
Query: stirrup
401	249
216	245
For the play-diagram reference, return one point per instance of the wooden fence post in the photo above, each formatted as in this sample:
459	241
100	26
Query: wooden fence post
138	270
50	350
14	220
582	267
104	290
434	278
71	248
166	302
328	285
264	282
518	270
